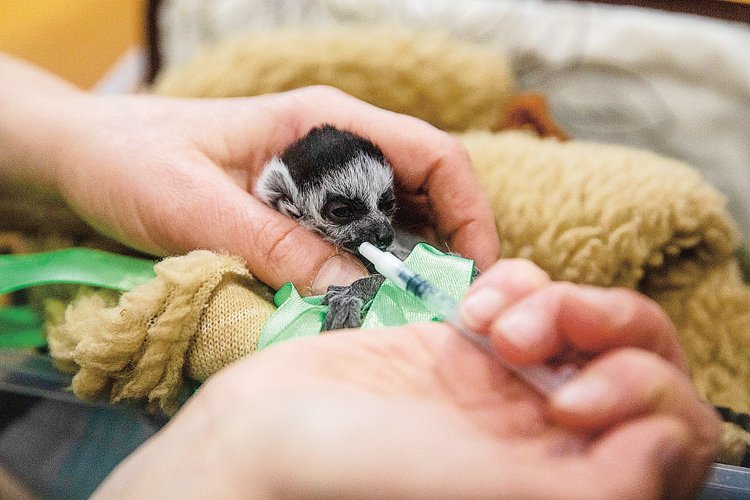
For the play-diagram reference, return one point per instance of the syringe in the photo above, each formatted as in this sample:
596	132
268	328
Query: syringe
543	378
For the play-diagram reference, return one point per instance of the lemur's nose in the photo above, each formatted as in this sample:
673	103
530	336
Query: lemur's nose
384	237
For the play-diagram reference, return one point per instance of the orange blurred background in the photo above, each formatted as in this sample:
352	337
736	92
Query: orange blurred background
77	39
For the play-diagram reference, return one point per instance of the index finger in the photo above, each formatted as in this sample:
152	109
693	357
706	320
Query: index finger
587	318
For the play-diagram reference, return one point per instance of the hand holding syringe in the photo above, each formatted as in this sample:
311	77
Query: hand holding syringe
543	378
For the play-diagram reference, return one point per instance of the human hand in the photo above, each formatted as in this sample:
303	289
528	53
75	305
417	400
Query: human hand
168	175
419	412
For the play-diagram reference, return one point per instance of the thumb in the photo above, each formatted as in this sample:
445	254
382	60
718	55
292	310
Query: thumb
280	250
276	248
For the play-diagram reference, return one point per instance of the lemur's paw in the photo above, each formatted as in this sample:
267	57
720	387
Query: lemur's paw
345	303
343	312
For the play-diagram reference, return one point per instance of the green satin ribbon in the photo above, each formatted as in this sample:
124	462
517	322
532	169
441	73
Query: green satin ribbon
298	316
22	327
73	266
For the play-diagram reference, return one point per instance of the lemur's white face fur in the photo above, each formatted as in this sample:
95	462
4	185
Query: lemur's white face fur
336	183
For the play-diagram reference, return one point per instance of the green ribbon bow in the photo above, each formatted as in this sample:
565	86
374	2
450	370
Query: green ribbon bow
298	316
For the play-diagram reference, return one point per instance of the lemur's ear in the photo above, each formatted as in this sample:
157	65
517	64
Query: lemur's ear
276	188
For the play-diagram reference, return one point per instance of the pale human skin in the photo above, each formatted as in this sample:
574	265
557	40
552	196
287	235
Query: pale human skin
418	412
160	174
405	412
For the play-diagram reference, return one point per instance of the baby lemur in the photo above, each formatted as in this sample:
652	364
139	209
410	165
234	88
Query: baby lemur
340	185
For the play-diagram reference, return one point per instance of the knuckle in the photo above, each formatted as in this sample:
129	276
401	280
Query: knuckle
527	270
456	149
642	366
633	358
520	276
451	152
283	247
325	93
628	295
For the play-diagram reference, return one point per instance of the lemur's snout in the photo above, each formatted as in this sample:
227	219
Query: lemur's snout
380	235
384	238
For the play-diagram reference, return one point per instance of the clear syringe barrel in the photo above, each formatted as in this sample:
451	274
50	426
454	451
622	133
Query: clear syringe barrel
541	377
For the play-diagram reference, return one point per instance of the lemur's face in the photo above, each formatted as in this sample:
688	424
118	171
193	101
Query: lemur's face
337	183
353	205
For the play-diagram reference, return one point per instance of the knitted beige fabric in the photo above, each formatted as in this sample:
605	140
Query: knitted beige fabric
139	348
451	84
613	216
230	326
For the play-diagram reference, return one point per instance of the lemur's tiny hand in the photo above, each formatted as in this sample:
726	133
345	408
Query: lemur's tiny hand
345	303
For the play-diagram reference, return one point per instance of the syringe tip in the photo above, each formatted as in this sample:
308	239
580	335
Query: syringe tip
369	251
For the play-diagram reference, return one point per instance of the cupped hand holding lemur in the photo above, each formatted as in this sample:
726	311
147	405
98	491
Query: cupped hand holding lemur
170	175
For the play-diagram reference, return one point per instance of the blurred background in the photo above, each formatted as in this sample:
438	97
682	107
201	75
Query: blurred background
80	40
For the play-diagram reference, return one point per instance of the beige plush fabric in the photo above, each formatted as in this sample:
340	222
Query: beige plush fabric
713	320
614	216
453	85
734	444
602	214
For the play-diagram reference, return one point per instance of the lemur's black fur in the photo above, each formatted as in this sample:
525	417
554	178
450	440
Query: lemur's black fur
325	149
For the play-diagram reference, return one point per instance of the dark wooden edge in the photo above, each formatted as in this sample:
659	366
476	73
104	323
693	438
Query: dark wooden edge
152	40
719	9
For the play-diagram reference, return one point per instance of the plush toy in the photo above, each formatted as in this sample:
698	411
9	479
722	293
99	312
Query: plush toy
591	213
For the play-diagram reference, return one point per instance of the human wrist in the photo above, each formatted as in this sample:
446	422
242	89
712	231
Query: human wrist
35	109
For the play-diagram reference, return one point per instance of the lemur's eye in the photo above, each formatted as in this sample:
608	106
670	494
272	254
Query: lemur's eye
387	204
338	212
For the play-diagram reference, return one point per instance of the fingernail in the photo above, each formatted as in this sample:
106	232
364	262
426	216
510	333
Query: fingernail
613	306
337	270
584	394
525	327
481	306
